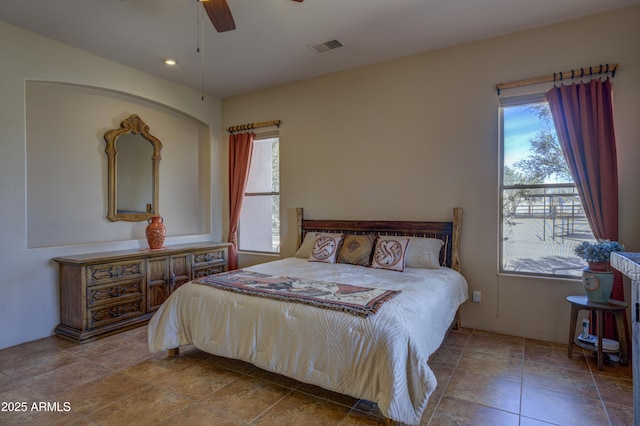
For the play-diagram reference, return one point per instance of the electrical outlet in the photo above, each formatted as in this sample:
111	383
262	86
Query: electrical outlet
477	296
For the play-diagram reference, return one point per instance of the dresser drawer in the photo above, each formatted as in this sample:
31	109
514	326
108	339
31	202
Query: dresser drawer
107	293
214	256
210	270
107	272
115	312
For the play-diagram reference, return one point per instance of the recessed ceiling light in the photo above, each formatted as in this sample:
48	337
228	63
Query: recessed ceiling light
169	61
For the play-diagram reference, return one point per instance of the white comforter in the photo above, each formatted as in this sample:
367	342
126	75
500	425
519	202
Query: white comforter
381	358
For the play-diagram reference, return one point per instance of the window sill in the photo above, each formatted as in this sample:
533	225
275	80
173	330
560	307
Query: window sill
515	275
260	253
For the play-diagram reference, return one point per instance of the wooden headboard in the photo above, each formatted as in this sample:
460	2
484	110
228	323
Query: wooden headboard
449	232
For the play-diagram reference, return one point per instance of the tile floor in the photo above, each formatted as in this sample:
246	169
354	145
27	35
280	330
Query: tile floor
483	379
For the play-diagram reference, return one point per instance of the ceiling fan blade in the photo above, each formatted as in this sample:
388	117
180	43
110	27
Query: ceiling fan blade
220	15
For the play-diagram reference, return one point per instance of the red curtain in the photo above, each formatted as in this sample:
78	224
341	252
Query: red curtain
583	118
240	149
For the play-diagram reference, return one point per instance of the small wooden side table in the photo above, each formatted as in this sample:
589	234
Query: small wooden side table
616	307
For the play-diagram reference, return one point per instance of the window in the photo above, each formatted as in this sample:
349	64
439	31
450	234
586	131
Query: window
259	227
542	218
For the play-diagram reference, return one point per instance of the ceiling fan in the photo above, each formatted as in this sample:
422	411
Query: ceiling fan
220	14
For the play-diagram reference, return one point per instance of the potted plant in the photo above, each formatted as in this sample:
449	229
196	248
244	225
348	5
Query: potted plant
597	278
597	253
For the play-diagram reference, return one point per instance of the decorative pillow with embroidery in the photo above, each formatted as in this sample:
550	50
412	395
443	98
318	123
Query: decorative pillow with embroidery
423	253
325	248
390	253
307	244
356	249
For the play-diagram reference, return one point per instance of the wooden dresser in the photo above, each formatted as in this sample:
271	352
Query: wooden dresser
106	293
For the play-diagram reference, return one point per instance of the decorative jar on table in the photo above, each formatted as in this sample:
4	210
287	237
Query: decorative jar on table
597	279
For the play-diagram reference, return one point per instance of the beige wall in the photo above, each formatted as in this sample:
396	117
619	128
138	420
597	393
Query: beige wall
413	138
52	174
53	168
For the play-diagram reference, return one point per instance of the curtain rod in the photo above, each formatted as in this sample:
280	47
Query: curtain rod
559	76
252	126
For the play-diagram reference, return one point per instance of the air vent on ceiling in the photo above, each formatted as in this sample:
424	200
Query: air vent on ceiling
326	46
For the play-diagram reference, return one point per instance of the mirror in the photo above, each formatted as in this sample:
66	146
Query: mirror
134	159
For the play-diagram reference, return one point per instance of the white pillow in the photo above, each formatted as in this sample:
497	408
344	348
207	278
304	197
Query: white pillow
390	253
325	248
307	244
424	253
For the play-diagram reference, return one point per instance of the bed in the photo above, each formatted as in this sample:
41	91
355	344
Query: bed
379	356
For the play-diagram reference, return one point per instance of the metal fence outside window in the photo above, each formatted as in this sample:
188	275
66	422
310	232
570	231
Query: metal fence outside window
542	223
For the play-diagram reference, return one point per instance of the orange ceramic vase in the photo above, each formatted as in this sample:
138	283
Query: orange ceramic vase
156	232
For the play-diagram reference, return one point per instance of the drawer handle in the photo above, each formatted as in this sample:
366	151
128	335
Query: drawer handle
116	291
122	270
211	256
116	311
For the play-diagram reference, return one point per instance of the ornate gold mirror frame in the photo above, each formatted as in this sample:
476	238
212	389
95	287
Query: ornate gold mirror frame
135	127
